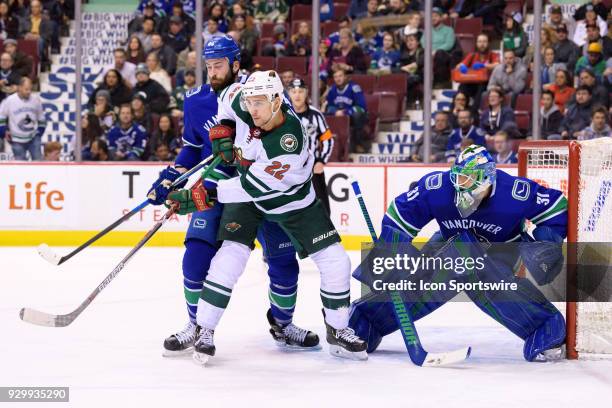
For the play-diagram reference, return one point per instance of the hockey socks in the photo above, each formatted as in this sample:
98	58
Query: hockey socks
196	262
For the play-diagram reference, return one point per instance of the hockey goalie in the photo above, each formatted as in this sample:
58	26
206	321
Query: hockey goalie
474	202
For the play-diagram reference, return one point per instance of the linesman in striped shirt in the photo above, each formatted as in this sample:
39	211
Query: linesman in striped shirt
320	140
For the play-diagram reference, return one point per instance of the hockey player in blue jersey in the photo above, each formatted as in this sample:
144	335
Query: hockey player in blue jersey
476	199
222	57
127	139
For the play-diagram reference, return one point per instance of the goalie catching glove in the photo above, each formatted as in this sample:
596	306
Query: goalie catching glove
197	198
222	139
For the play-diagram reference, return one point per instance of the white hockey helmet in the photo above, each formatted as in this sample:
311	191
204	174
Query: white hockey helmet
263	83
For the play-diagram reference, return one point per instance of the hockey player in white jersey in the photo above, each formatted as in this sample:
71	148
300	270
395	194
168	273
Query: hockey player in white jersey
274	183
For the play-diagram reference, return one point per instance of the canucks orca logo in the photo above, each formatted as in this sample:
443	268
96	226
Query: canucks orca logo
26	125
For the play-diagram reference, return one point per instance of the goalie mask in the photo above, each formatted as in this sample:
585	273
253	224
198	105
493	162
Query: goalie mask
472	174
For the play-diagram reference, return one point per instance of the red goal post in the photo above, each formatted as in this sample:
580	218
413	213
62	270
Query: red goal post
578	169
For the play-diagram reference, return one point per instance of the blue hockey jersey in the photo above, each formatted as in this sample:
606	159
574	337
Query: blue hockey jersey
200	115
499	218
453	148
131	141
350	99
162	7
386	59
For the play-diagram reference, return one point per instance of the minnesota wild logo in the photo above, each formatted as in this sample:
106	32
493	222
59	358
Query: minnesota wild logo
232	226
289	143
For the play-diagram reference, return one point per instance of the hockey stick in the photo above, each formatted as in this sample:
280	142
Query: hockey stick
417	353
50	320
52	257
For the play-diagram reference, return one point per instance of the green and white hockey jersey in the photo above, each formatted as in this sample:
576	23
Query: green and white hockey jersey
275	168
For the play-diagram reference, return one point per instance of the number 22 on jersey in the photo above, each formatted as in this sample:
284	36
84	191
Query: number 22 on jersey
277	169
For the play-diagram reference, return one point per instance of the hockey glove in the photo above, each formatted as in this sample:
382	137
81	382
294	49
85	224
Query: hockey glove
161	187
197	198
222	139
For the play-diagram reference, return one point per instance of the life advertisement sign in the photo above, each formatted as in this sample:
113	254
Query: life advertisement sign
66	203
38	196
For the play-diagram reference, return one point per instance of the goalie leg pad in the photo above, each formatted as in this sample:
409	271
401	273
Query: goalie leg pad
372	316
522	311
549	335
391	242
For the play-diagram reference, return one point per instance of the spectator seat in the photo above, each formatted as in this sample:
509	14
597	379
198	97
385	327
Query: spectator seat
469	26
329	27
266	63
388	111
341	9
397	83
366	82
467	42
301	12
523	103
262	42
340	127
296	64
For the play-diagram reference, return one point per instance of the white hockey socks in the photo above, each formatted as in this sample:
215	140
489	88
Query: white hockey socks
225	269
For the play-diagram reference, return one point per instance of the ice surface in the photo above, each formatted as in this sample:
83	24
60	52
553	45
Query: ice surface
111	355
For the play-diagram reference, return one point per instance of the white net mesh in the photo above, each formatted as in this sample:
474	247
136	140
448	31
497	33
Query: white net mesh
594	320
549	166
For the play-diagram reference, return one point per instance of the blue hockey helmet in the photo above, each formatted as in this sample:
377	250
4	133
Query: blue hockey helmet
222	46
472	174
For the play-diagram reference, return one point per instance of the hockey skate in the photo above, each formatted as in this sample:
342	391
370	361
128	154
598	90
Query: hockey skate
204	347
550	355
180	343
292	337
344	343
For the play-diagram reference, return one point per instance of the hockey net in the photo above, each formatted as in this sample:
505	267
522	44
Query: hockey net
583	172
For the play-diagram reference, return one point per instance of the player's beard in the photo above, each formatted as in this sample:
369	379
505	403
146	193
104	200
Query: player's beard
218	84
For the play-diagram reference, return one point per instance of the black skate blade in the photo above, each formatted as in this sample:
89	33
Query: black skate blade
294	348
340	352
177	353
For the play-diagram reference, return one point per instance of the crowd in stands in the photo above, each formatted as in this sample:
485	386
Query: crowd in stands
371	68
29	33
575	76
480	48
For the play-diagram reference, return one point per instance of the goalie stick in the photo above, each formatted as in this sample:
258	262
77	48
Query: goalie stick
52	257
50	320
418	355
